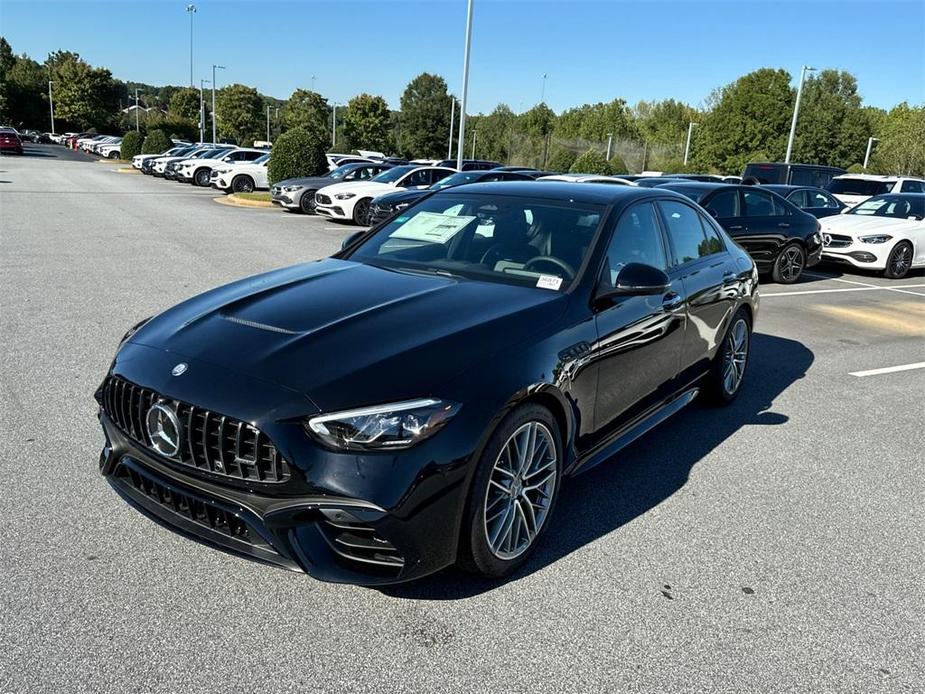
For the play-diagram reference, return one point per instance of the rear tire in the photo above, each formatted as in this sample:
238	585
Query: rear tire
512	498
361	212
790	263
242	184
727	373
307	202
899	262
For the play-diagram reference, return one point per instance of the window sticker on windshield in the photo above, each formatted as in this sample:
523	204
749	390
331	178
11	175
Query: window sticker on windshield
549	282
401	219
432	227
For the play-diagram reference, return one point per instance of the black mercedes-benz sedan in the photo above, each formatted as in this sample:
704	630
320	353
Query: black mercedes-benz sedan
419	398
815	201
783	239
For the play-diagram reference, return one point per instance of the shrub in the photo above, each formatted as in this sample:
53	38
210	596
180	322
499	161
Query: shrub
297	152
591	162
561	160
156	142
856	168
131	145
617	165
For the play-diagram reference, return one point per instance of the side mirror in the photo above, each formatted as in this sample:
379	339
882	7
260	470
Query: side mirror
637	279
353	238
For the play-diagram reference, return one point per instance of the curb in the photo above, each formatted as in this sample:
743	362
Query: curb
235	201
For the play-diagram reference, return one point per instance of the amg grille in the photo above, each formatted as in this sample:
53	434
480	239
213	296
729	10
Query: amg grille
838	241
358	542
210	442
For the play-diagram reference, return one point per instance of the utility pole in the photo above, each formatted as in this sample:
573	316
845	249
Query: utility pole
475	134
191	10
796	111
687	147
465	90
449	149
137	124
202	111
51	108
214	128
609	144
334	126
268	122
870	144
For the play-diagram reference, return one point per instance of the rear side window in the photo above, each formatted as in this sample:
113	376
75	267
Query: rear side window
724	204
636	239
761	204
820	199
686	232
798	198
912	187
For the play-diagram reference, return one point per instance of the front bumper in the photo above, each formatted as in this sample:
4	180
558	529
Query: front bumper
364	519
861	255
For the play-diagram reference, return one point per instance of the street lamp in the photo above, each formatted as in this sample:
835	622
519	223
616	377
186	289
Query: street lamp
202	111
334	126
465	90
313	83
796	111
687	147
475	134
190	10
137	126
870	143
214	68
543	90
268	122
51	107
449	149
609	144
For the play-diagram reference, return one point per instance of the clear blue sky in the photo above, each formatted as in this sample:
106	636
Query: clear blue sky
592	51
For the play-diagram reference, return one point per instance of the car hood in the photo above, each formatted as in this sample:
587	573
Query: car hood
857	225
346	334
360	188
395	197
314	181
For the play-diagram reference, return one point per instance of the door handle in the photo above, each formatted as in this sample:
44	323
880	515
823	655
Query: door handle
736	227
784	225
672	301
729	277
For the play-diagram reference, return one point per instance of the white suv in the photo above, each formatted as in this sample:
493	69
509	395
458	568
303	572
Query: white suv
853	189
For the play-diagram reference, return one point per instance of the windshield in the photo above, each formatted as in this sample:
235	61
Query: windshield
457	179
215	154
890	206
858	186
524	241
261	159
339	172
392	175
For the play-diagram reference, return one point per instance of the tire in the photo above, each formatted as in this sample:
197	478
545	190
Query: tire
717	387
307	202
492	541
899	262
242	184
201	177
789	265
361	212
113	155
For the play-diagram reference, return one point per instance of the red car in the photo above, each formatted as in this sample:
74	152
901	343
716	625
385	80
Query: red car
10	141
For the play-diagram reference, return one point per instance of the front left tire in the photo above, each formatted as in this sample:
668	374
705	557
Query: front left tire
899	262
361	212
513	493
242	184
307	202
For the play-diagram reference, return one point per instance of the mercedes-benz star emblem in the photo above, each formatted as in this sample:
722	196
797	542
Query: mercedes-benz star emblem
164	429
180	369
827	239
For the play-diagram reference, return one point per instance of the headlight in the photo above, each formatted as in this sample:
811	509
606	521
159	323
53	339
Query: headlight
134	329
879	238
345	196
292	189
383	427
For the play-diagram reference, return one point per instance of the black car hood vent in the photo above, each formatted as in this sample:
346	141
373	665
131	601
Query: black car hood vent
259	326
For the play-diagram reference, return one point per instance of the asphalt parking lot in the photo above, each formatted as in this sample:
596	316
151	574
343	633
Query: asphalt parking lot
776	545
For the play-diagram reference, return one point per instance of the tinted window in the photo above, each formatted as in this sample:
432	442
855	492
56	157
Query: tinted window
798	198
714	241
858	186
251	156
685	230
912	187
816	198
724	204
761	204
636	239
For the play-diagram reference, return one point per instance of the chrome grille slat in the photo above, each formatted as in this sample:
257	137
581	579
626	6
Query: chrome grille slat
225	446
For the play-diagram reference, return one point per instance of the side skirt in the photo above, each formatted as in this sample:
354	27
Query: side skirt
642	426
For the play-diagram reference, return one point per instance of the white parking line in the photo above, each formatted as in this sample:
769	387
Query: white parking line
868	288
888	370
899	289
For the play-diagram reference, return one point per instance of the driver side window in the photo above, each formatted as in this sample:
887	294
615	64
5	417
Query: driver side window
637	238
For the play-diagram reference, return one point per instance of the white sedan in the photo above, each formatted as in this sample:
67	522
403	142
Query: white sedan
350	201
886	232
242	178
587	178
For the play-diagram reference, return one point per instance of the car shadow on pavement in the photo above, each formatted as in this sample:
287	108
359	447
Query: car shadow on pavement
644	474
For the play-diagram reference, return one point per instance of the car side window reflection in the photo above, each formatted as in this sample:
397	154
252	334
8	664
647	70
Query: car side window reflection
724	204
636	239
686	232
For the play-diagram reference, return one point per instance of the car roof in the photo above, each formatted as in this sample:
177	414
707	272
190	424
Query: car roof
565	191
864	177
789	188
701	186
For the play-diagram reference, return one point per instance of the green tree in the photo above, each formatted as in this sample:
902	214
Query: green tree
367	122
425	117
85	97
901	149
131	145
664	122
25	86
561	159
297	152
184	105
7	59
597	122
832	127
239	113
591	162
156	142
750	121
307	110
495	133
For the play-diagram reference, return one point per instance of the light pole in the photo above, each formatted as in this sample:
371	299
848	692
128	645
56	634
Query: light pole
334	126
268	122
687	147
137	124
449	149
543	90
191	10
202	111
51	108
313	83
870	144
796	111
214	68
465	90
475	134
609	144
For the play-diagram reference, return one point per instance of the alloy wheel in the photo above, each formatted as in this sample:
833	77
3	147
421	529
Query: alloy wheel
361	212
520	490
900	260
790	263
202	177
735	356
243	184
